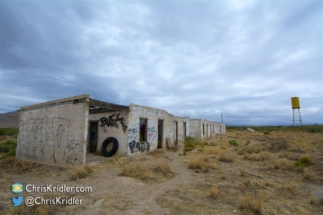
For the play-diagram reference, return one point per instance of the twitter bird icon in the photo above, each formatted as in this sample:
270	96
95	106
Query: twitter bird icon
17	201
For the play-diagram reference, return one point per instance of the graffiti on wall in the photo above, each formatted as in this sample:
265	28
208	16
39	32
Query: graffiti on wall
152	134
133	132
139	146
104	129
40	136
112	121
180	131
70	152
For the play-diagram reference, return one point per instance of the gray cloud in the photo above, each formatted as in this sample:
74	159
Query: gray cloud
196	58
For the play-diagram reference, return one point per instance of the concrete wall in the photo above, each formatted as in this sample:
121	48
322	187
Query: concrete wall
125	127
180	131
54	132
112	124
211	129
152	115
134	144
195	128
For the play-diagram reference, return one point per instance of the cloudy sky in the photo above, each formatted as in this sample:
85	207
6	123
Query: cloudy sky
243	59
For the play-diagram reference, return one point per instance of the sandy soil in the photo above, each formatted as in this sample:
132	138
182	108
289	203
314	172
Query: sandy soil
256	177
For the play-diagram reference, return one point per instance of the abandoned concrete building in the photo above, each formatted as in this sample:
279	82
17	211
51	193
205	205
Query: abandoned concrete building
61	132
204	129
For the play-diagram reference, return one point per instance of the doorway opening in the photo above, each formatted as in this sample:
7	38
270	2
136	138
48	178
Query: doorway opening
143	129
184	129
93	140
160	133
175	133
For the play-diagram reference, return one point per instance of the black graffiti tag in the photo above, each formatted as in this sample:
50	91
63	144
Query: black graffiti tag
139	146
112	120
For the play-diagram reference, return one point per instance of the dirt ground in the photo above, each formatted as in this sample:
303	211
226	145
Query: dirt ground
256	174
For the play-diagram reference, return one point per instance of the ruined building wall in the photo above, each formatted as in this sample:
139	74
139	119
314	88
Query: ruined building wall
112	124
211	129
54	133
195	129
181	130
151	115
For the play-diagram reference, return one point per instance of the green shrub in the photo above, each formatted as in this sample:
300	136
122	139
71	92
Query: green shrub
266	133
8	145
233	142
297	164
11	153
248	150
304	161
188	144
189	139
8	131
314	128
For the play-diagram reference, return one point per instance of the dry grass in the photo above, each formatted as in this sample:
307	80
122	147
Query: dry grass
251	205
223	146
18	166
13	165
211	151
157	173
264	155
156	153
289	155
312	200
80	172
196	163
164	168
23	209
279	144
222	176
138	172
309	174
289	190
88	168
246	185
320	201
282	164
214	192
253	157
208	166
201	162
5	182
225	157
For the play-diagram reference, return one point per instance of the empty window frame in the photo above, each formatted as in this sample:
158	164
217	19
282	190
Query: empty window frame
143	129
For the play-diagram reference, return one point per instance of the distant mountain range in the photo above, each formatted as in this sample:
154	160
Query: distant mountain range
9	120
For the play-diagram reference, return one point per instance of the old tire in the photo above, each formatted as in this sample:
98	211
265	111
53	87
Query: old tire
109	146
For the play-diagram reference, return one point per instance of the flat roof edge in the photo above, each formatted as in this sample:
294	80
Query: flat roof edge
143	106
53	102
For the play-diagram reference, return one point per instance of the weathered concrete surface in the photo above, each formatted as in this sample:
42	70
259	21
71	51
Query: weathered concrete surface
125	127
204	129
112	124
54	132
